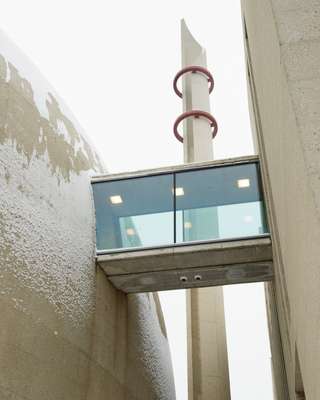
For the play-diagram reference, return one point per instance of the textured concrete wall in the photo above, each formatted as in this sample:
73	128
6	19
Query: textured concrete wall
284	59
65	333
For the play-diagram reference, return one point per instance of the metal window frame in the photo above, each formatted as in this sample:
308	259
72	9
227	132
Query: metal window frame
173	170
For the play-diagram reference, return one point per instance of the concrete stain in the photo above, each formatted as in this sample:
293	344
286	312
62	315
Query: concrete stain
34	135
3	68
7	176
160	314
48	280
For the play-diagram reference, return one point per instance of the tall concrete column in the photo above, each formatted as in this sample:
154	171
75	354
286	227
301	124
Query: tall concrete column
208	374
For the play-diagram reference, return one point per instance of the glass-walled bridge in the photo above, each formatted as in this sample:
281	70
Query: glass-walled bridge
193	225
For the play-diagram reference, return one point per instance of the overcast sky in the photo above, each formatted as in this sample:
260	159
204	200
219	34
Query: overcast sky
113	64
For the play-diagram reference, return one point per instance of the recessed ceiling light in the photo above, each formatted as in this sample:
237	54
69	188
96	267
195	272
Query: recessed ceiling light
116	199
130	231
243	183
188	225
248	219
179	191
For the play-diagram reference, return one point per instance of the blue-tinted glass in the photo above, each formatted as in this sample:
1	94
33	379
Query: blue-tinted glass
219	203
134	212
211	204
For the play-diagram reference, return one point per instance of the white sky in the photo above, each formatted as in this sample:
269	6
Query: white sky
113	64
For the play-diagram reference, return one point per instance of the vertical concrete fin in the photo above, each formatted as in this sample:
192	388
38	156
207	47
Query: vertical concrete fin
197	132
208	375
192	52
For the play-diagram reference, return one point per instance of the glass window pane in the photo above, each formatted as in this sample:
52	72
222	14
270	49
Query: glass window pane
134	212
219	203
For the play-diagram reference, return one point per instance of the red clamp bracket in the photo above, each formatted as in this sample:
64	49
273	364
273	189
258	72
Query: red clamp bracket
196	114
194	69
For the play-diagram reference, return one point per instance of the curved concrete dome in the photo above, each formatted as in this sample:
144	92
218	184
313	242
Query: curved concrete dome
65	333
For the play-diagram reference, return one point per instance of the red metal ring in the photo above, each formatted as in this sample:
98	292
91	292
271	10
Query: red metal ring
194	69
196	114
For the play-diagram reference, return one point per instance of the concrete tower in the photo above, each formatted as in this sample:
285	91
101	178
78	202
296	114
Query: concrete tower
207	348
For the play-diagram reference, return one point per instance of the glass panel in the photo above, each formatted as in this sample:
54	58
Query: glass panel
219	203
134	212
211	204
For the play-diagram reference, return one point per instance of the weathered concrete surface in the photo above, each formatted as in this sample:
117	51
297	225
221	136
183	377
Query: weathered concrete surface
198	265
187	257
219	275
284	63
65	332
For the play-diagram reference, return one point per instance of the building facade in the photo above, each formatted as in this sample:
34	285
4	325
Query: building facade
282	40
65	332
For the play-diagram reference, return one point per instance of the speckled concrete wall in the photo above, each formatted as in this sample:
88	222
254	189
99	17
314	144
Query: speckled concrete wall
283	41
65	333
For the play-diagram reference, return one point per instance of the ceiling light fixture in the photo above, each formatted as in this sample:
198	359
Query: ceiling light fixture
179	191
116	199
243	183
248	219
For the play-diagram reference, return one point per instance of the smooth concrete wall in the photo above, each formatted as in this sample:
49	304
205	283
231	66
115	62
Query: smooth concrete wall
284	62
208	371
208	375
65	332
